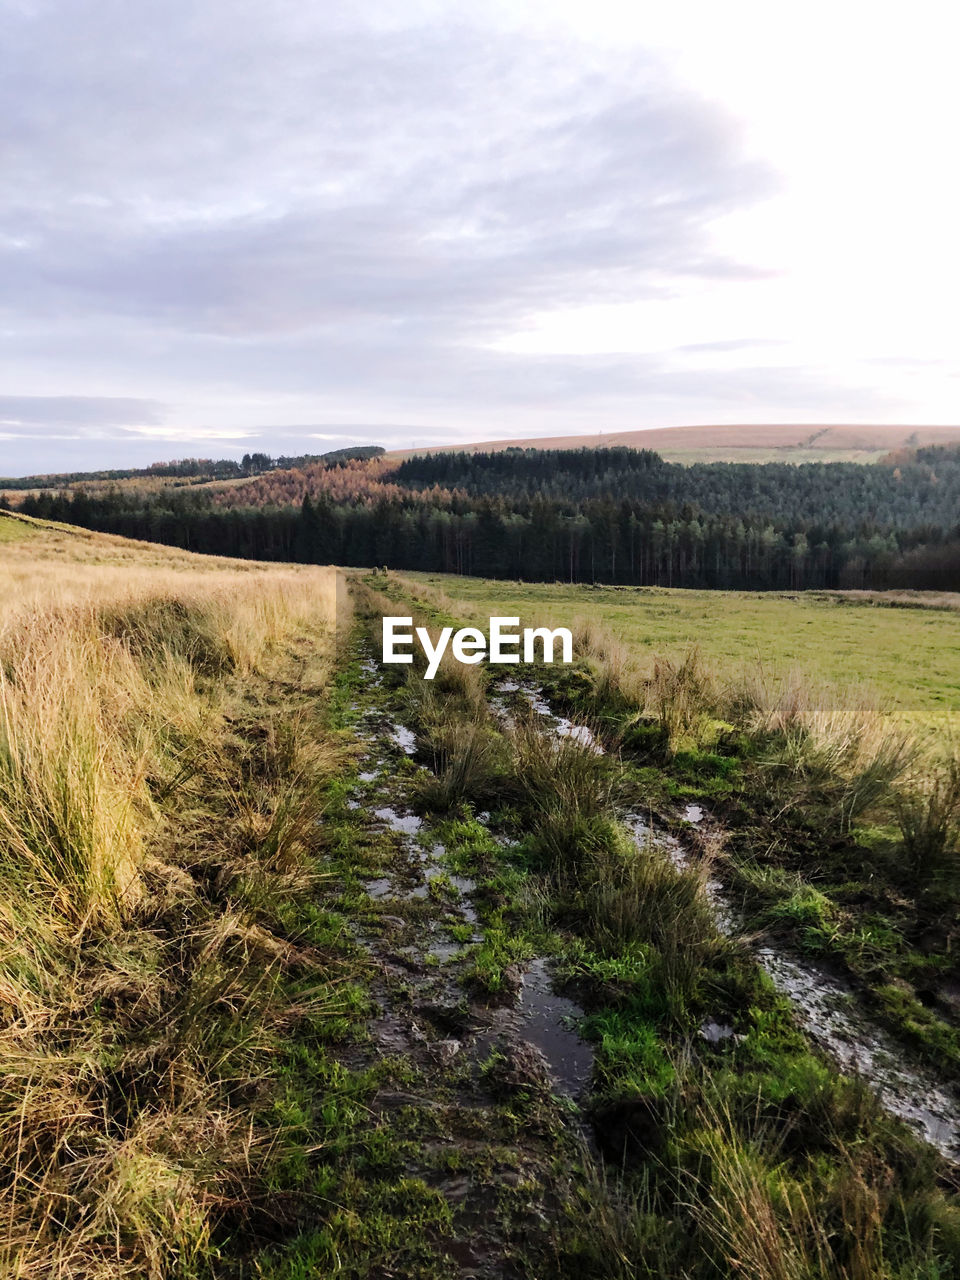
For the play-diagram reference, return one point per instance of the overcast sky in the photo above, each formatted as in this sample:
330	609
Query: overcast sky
238	224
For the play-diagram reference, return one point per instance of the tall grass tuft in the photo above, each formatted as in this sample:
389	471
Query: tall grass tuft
570	793
681	695
929	820
841	758
640	893
467	762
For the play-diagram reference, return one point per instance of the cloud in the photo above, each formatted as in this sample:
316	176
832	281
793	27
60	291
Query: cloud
303	176
218	209
23	414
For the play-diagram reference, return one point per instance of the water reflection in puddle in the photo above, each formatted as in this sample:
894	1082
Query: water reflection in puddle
380	888
715	1032
547	1024
445	948
546	1020
404	738
560	725
408	823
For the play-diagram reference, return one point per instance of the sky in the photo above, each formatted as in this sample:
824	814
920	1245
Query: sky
229	225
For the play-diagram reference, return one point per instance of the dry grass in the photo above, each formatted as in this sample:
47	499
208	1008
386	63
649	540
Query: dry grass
752	442
125	688
820	738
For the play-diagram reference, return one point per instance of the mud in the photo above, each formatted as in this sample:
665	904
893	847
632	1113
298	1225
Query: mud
547	1021
826	1009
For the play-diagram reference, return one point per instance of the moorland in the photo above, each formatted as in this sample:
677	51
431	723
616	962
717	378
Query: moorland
771	442
315	967
641	965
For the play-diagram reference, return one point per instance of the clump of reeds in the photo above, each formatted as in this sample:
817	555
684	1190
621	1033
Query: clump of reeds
838	752
466	766
570	793
640	893
928	815
617	675
681	694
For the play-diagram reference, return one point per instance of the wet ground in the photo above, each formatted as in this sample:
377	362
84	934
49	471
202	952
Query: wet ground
506	692
482	1060
482	1063
534	1014
830	1013
827	1009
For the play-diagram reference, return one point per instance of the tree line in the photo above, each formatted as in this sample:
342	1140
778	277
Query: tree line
922	489
602	539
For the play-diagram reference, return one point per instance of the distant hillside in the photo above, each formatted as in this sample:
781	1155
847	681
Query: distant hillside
185	471
745	443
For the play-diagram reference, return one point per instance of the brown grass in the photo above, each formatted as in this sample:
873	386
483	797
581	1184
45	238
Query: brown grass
723	441
136	741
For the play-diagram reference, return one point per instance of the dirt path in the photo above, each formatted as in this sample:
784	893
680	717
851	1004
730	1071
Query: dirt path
476	1102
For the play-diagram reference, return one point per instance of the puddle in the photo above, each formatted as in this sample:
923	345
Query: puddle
828	1012
432	867
404	738
447	948
578	732
545	1020
380	888
460	883
465	887
644	835
547	1025
715	1032
560	725
408	823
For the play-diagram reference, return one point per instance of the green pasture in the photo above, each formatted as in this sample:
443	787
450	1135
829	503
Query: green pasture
12	530
908	656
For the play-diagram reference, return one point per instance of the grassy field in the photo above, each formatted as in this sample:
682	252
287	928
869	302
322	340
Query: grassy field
893	649
162	756
267	911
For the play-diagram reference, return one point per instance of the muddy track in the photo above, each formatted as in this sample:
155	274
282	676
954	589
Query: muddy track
494	1088
493	1083
826	1008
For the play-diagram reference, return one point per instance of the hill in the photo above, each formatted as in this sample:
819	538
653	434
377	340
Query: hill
769	442
615	515
44	564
